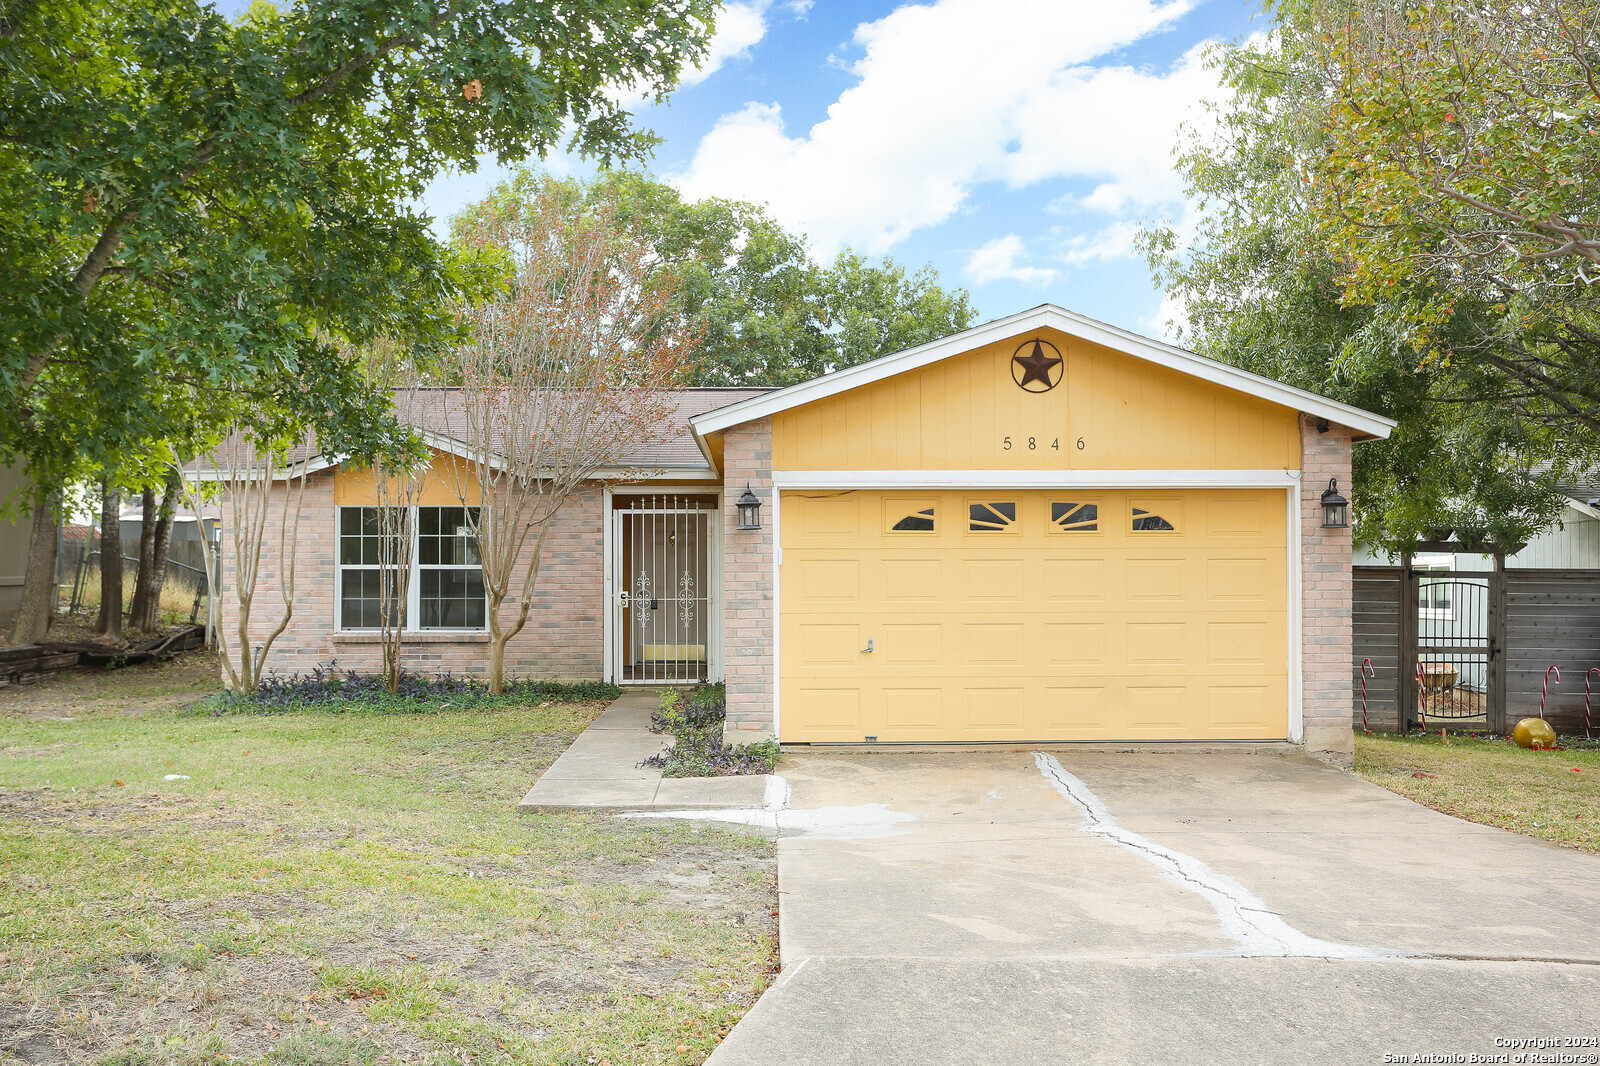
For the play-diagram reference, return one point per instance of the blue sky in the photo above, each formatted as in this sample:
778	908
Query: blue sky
1013	144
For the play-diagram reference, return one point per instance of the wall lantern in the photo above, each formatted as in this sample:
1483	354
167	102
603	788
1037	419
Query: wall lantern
749	510
1335	508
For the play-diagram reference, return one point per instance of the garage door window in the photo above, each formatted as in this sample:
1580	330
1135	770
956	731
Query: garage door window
991	517
1075	517
1149	520
907	517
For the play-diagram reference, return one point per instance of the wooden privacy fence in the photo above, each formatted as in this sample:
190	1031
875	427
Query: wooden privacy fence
1552	617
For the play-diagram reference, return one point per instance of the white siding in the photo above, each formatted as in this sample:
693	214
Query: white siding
1574	544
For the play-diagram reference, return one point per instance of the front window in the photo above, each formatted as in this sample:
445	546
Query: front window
439	556
449	569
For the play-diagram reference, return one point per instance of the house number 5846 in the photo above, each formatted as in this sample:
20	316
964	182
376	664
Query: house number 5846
1033	444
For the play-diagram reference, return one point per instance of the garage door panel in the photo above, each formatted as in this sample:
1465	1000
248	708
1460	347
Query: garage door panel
911	644
1075	712
1158	580
1075	644
994	643
830	581
1077	581
990	581
1036	632
912	581
1164	708
993	709
828	644
915	710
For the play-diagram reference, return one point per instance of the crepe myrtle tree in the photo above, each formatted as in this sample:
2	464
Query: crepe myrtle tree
211	202
261	491
570	372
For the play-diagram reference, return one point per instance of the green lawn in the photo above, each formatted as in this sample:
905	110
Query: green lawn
347	888
1553	795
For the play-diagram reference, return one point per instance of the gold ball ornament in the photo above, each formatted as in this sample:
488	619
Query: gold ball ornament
1534	733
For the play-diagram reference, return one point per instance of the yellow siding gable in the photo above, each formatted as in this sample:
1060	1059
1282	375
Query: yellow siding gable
353	486
1110	411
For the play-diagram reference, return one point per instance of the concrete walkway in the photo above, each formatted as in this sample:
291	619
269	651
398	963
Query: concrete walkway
1149	908
601	771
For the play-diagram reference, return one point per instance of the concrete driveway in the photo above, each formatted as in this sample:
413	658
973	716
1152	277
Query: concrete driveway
1099	907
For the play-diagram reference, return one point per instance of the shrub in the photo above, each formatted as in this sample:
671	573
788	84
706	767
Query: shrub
331	689
699	749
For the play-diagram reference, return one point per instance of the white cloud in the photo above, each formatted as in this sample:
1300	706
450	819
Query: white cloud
956	93
740	27
1112	242
1170	322
997	261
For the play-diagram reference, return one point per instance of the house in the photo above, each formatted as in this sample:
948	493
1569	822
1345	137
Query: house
16	530
1040	529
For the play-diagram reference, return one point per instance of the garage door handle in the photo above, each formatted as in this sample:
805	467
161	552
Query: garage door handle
868	649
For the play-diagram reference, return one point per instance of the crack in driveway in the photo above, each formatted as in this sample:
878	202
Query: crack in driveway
1244	917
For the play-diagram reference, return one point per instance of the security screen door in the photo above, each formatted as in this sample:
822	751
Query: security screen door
662	588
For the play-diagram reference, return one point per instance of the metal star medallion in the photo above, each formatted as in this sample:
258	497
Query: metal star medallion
1038	371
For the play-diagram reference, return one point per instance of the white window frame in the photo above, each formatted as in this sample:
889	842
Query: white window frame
1429	563
413	586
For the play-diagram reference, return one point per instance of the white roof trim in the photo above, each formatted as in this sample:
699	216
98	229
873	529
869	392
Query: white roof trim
1582	507
1045	315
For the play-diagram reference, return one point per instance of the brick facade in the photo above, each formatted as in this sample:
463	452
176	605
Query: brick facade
1325	597
747	576
563	638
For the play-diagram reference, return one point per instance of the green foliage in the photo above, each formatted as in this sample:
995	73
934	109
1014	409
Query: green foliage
699	748
200	216
1264	288
766	314
351	693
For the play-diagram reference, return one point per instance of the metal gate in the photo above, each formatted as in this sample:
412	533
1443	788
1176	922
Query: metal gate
1452	645
663	588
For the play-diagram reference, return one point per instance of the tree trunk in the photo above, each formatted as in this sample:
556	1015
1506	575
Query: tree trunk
147	556
109	624
147	616
39	581
497	662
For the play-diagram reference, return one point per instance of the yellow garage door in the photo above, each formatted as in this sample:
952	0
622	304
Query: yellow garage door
1033	616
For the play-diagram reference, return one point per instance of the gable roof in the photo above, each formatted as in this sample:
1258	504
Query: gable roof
1366	424
676	452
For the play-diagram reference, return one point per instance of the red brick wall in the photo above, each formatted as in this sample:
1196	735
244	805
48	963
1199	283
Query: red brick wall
747	581
1325	597
563	637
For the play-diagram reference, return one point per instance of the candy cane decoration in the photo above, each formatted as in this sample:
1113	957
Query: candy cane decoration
1546	688
1368	670
1422	696
1586	712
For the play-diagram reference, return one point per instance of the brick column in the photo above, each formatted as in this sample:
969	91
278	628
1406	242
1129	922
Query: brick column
747	593
1325	597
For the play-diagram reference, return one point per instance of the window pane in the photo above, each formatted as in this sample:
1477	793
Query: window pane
451	599
444	538
990	517
1149	522
1078	517
918	522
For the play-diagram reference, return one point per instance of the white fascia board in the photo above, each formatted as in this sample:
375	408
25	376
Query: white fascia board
1582	508
1045	315
1034	479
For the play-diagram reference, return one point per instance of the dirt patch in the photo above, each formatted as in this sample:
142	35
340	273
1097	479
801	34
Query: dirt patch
132	690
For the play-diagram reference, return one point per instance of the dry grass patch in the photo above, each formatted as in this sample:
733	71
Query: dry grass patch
347	888
1552	795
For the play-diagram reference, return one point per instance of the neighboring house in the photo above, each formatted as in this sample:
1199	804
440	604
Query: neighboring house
1040	529
15	532
185	554
1453	612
